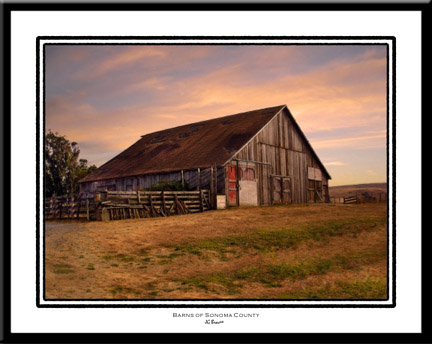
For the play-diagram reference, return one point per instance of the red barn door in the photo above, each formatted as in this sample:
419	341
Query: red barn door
233	174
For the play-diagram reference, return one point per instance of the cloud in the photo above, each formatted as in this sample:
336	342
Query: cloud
107	97
123	59
366	142
315	97
335	163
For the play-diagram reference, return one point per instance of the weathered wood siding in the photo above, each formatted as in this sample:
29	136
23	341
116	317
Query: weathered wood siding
282	146
192	178
279	149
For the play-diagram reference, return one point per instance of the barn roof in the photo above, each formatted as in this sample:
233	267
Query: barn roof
200	144
190	146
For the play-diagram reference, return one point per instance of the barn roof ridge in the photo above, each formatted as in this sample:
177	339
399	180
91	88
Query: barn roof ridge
214	119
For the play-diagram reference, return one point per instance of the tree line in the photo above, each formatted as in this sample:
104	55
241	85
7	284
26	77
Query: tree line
63	166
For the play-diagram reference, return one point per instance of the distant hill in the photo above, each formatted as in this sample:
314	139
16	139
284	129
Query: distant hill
351	190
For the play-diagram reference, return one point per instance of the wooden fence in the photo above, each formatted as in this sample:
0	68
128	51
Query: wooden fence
337	200
344	200
374	198
81	206
118	205
350	200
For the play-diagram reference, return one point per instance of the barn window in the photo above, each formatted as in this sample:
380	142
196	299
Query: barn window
129	185
246	174
314	173
249	174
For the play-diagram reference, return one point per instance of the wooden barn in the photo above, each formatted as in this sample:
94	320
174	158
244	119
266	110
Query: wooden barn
259	157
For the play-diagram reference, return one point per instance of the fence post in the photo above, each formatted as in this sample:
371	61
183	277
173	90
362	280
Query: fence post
61	207
53	206
215	188
199	179
201	201
71	206
79	207
177	203
165	210
152	209
67	208
87	209
68	201
212	190
238	184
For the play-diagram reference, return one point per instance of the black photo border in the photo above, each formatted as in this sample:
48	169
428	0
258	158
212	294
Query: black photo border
7	336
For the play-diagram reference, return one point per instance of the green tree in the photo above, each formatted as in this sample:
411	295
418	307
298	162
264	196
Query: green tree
63	168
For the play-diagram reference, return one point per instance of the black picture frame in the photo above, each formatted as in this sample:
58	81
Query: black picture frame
5	190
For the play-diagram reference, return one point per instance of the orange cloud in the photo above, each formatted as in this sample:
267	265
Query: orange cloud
318	107
335	163
123	59
358	142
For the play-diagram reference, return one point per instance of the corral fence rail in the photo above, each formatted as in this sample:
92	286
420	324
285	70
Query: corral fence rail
79	206
118	205
363	198
350	200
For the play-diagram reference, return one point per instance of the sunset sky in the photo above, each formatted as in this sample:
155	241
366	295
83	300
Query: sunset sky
106	97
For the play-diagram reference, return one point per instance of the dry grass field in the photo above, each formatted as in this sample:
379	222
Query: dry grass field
319	251
351	190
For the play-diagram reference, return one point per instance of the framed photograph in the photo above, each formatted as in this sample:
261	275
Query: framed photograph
199	169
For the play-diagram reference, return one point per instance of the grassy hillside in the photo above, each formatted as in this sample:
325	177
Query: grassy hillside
351	190
317	251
